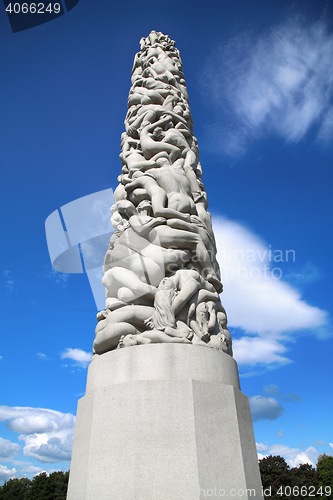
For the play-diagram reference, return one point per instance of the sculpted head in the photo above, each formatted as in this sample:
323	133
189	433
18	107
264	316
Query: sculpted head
167	284
126	207
162	162
142	43
129	341
158	134
201	308
222	319
178	109
144	205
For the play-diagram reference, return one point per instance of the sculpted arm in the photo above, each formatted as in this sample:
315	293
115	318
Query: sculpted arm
144	229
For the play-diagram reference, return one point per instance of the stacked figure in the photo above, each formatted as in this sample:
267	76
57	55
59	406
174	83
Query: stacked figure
161	276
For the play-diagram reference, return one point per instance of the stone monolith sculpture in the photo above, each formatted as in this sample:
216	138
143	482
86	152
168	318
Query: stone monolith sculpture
163	416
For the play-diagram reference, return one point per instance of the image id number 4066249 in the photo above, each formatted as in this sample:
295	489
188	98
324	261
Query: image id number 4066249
304	491
33	8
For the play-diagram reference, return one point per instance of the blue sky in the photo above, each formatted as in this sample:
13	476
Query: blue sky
260	82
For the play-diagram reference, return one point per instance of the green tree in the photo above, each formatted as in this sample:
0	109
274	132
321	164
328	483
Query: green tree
15	489
325	473
274	475
52	487
304	482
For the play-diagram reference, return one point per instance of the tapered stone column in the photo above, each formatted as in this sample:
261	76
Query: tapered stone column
163	417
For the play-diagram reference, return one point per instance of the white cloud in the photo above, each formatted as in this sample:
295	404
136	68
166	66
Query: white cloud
47	449
47	434
279	82
266	309
265	408
28	468
81	357
252	350
8	449
6	474
293	456
330	444
262	447
41	355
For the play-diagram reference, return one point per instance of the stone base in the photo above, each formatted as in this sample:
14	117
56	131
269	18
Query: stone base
163	422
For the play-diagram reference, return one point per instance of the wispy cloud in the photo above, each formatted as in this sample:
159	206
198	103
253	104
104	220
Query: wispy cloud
272	389
264	311
81	358
9	282
331	445
318	443
41	355
47	434
303	275
291	397
278	82
280	434
293	456
57	277
265	408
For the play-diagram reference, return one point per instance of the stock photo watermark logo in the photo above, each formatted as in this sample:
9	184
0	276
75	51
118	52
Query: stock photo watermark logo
80	239
78	236
24	15
253	263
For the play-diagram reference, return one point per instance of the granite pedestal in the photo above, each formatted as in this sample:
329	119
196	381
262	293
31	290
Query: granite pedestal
163	422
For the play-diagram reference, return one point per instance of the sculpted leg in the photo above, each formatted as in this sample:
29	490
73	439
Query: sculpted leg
117	278
108	337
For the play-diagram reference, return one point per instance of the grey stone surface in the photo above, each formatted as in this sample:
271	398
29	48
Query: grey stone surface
165	362
173	433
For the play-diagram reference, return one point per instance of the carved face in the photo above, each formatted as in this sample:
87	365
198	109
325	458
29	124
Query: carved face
158	134
162	162
142	43
129	340
144	205
166	284
222	320
126	207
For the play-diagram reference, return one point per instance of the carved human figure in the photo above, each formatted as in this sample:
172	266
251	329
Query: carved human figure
123	321
177	195
148	115
154	139
132	156
172	295
151	337
133	266
169	237
168	188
